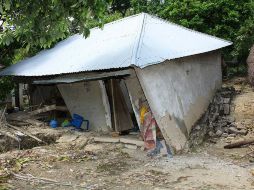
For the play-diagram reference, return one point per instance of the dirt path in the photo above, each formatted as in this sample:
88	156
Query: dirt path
78	163
110	166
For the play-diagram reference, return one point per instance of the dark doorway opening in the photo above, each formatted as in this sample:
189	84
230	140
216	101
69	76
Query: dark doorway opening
122	115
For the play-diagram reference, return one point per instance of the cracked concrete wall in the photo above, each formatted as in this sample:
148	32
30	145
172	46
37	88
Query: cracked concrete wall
179	92
85	98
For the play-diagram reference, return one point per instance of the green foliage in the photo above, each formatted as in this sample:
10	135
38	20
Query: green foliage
42	23
6	85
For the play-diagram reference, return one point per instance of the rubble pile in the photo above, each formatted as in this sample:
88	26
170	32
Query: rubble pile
217	122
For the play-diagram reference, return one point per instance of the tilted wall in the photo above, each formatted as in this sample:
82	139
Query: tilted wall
135	93
85	98
179	92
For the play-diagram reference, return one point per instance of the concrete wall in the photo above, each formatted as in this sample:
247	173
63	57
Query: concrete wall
85	98
135	93
179	92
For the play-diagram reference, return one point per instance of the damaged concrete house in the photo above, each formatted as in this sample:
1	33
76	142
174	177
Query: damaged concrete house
175	71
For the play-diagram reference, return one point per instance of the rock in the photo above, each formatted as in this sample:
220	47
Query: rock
229	139
226	100
232	135
222	124
219	133
226	109
240	126
130	146
211	134
232	125
230	119
224	135
198	127
236	131
243	132
233	130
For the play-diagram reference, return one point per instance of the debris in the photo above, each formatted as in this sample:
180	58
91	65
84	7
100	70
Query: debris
67	138
26	133
34	122
132	141
42	110
29	177
217	119
8	134
106	140
236	131
218	133
239	144
28	117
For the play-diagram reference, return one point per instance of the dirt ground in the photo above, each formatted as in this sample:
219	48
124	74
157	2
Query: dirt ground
76	162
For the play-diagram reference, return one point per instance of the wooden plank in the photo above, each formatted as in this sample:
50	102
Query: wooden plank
42	110
62	108
34	122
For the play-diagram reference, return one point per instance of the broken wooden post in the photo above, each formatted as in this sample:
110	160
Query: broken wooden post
239	143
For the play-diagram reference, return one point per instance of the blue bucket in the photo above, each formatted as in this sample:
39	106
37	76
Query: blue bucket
77	121
53	123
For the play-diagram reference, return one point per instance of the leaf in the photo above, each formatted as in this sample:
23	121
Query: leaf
7	5
1	9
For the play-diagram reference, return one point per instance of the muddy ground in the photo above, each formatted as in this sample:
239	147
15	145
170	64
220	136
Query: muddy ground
76	162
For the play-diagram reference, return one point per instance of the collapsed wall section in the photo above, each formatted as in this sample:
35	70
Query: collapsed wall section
85	99
179	92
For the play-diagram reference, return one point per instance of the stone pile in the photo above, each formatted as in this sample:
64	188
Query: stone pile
217	121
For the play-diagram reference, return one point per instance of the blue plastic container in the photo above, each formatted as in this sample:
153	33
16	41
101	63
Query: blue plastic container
53	123
77	121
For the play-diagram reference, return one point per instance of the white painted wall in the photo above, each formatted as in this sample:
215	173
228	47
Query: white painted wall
85	98
179	92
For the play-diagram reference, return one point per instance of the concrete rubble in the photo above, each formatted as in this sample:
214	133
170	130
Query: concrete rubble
217	121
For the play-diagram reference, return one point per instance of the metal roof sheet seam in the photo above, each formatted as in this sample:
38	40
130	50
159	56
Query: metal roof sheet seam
139	40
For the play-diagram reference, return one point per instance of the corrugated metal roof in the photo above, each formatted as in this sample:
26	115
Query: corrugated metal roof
139	40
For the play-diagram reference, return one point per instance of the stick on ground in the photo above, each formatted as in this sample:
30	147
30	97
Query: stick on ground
239	143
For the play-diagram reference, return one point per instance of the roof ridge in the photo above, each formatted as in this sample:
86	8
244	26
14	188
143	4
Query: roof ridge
138	40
